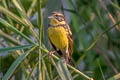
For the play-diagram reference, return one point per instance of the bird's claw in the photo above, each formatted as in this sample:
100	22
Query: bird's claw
66	61
50	53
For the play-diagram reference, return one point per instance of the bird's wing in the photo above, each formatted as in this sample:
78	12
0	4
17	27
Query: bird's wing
70	48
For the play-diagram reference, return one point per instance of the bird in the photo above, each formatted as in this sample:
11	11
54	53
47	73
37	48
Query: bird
60	36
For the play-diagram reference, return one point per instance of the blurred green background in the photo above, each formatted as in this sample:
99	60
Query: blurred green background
96	34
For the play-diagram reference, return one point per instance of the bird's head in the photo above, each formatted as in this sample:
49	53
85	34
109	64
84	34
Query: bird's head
57	18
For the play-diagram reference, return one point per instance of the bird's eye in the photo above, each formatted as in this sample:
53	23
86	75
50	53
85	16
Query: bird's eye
56	15
59	18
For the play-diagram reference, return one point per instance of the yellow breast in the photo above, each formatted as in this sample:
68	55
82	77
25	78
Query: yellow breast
58	36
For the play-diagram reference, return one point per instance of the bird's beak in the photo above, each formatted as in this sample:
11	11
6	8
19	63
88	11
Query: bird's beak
50	17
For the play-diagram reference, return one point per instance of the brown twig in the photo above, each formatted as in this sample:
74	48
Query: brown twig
109	14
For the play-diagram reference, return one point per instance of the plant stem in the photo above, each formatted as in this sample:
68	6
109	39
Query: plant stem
40	22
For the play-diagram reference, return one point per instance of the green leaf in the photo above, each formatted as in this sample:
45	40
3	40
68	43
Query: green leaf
30	74
101	70
115	77
9	38
15	48
46	70
24	16
5	5
16	63
13	16
115	5
15	30
63	70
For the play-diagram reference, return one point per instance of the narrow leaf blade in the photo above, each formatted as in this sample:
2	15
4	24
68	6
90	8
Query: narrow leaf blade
15	48
16	63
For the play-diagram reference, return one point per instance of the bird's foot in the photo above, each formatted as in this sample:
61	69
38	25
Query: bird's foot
66	61
50	53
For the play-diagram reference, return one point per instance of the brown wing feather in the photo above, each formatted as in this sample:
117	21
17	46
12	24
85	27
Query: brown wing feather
70	49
